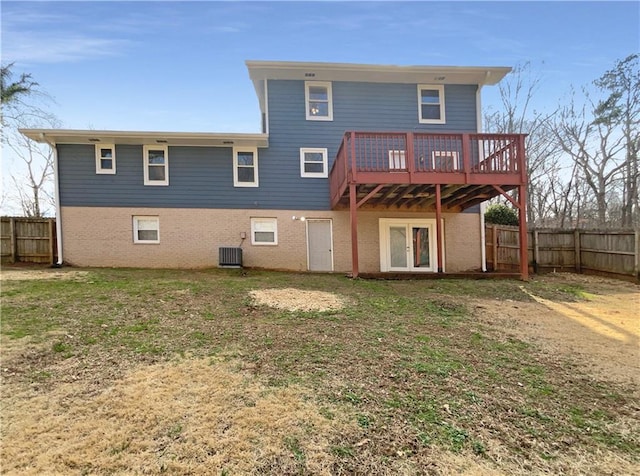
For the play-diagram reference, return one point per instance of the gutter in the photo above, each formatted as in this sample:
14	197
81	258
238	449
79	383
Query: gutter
483	205
56	188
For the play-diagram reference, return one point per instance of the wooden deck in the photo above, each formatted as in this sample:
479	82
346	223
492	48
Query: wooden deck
401	169
441	172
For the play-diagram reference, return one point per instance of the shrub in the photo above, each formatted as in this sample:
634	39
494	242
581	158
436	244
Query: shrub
499	214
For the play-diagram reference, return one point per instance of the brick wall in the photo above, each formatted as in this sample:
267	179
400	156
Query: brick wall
190	238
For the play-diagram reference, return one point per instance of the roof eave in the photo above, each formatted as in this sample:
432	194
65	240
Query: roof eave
203	139
481	75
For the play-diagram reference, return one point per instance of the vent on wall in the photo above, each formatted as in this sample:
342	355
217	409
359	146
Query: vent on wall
230	257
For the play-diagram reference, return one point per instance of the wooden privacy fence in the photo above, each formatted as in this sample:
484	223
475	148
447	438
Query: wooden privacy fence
613	252
29	240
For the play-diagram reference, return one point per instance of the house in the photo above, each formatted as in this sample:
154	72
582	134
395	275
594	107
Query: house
357	168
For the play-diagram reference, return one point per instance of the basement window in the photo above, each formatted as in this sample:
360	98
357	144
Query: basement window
264	231
146	229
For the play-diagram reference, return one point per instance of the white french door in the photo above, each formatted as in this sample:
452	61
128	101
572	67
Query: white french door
408	245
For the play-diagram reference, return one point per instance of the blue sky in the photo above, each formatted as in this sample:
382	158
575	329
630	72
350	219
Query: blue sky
179	66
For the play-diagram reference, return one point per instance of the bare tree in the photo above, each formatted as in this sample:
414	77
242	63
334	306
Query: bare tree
621	109
517	115
31	171
33	177
596	150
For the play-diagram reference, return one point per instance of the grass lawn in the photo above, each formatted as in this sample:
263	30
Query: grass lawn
147	371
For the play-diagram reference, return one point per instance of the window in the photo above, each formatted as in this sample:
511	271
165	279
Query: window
146	229
318	101
264	231
444	160
431	104
397	160
245	167
313	162
105	159
156	165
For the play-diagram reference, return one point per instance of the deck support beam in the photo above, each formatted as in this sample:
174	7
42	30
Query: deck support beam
439	227
353	209
524	255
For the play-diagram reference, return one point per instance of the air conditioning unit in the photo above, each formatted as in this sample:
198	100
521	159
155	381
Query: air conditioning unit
230	257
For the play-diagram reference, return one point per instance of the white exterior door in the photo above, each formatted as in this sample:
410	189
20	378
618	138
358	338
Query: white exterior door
319	245
407	245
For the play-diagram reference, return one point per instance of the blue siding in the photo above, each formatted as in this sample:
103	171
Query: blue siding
202	177
199	177
356	106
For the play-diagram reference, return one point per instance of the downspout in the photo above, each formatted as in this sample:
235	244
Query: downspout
56	188
483	205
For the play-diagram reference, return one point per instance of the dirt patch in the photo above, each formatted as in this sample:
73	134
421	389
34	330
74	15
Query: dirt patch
602	329
18	274
291	299
190	417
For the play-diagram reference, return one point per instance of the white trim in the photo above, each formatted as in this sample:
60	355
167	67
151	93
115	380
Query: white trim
433	87
151	218
445	153
254	151
331	236
321	84
483	237
194	139
429	223
266	106
56	193
314	150
146	165
257	220
483	205
297	70
479	109
99	169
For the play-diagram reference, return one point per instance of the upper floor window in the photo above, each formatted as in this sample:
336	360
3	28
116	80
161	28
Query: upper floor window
313	162
431	104
318	101
105	159
245	167
156	165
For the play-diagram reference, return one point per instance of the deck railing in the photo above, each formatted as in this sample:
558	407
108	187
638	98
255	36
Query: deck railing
418	152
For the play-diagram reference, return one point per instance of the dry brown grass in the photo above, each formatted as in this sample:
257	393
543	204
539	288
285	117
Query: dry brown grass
187	417
189	372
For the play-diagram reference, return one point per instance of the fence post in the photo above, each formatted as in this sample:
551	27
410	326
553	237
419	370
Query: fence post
12	232
536	251
50	223
636	269
578	253
494	239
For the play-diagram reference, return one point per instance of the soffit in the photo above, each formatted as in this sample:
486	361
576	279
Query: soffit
201	139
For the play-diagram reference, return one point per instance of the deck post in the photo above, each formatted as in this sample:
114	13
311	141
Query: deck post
411	156
439	226
353	209
524	255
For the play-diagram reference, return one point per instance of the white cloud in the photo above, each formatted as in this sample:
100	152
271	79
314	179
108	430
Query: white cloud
57	47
